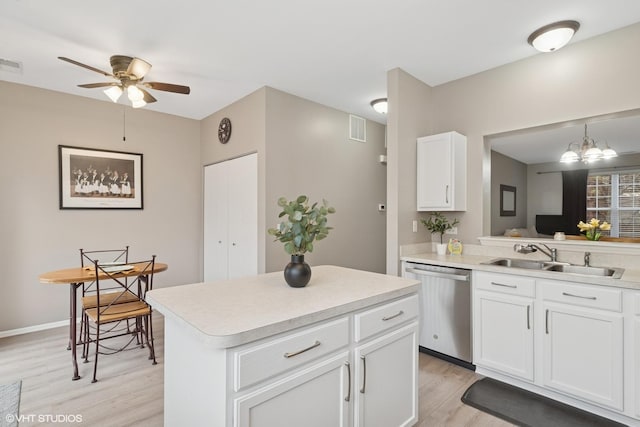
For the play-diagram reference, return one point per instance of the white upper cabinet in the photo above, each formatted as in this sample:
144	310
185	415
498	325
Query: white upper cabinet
442	172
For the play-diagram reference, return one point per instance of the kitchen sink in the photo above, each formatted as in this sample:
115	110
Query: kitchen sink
517	263
612	272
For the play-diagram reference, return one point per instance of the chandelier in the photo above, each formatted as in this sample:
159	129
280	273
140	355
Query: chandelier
587	152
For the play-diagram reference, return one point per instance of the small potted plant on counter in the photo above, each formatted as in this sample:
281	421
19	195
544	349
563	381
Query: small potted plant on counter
438	223
303	225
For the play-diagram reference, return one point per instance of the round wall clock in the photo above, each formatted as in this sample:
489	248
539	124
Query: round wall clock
224	130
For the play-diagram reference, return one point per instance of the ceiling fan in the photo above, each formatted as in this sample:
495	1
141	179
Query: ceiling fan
129	74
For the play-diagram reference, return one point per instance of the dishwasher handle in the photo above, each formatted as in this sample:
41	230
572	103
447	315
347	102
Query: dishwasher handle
443	275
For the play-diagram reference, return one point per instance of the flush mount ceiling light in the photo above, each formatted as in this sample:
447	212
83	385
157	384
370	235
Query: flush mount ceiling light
380	105
553	36
587	152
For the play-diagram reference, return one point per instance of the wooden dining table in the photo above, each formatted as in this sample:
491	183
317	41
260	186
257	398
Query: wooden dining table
76	277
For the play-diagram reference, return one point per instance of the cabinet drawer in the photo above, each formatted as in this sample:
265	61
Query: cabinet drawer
378	319
586	296
255	363
636	303
505	283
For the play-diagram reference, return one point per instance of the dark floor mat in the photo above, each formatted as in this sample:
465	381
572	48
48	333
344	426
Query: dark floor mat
524	408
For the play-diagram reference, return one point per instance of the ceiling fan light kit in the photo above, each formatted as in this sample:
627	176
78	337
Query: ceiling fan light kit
553	36
128	73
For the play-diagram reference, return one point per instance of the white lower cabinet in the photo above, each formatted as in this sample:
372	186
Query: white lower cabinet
385	388
583	353
503	325
563	339
286	402
321	377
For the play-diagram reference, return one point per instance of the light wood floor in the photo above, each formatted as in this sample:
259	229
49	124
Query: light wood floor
129	391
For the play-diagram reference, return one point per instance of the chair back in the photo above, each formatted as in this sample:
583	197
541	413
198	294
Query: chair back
106	257
134	277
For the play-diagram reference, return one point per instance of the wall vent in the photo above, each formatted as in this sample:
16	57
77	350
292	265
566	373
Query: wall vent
357	128
10	66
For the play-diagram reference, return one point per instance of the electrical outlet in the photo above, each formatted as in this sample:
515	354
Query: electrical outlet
415	226
452	230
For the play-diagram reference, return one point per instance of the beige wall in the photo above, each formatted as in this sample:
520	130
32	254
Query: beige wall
410	116
303	148
507	171
308	151
588	78
248	125
36	236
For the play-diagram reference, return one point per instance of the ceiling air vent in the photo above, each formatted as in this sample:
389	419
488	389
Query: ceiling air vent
10	66
357	128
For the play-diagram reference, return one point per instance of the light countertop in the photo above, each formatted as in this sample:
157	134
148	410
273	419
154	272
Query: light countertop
629	280
232	312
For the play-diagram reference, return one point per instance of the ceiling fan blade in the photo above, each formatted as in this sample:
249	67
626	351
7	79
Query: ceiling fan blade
168	87
138	67
148	98
88	67
94	85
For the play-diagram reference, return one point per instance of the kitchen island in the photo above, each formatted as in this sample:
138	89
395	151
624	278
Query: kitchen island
254	352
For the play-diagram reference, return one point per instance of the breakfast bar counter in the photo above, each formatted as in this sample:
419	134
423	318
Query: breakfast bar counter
239	352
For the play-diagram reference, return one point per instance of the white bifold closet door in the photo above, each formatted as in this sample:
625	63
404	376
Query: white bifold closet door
231	218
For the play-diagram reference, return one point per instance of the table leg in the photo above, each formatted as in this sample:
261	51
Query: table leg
72	330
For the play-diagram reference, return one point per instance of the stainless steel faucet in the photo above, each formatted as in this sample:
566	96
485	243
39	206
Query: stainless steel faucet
587	259
530	247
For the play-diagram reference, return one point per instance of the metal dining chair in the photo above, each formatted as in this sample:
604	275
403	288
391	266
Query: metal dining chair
111	308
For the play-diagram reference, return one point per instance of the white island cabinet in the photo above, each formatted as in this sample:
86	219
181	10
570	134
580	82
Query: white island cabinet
254	352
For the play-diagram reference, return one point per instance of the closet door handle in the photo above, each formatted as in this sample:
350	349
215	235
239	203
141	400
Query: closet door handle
364	374
348	365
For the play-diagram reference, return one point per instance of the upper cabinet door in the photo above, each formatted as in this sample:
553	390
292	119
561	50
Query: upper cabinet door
442	172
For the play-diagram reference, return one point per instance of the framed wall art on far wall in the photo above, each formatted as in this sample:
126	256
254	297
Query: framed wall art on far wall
99	179
507	200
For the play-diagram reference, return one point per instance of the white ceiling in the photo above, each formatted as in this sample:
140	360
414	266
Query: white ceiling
335	52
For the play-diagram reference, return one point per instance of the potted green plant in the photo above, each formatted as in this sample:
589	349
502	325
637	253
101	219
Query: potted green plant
438	223
303	225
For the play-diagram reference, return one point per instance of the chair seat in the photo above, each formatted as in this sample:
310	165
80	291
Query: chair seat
119	312
108	298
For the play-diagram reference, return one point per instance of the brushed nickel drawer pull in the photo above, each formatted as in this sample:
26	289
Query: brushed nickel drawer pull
295	353
528	320
546	321
348	365
400	313
364	373
567	294
503	285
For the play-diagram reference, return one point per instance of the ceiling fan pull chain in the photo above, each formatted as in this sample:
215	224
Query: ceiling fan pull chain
124	123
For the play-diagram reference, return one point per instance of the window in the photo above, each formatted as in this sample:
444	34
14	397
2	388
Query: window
615	198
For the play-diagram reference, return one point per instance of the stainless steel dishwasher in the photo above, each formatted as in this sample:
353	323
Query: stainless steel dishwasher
445	311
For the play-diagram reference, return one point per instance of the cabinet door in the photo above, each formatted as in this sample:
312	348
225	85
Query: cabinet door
583	353
215	221
434	173
503	334
386	380
314	397
243	216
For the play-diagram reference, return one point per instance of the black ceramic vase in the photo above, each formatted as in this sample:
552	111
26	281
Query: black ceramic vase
297	273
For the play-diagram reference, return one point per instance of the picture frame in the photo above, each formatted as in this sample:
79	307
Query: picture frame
507	200
92	178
